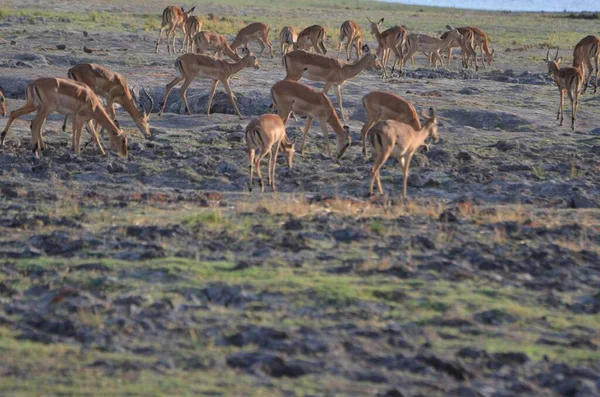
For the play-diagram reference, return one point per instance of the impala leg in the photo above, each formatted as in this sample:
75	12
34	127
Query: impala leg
339	97
183	94
573	100
405	162
231	97
449	56
596	61
323	123
309	121
270	45
160	32
213	89
64	126
94	135
74	134
36	129
380	158
26	109
262	47
251	154
274	164
168	89
365	131
259	158
174	36
562	106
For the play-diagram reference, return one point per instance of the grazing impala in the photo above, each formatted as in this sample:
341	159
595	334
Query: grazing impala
266	134
2	102
67	97
588	47
567	79
113	87
291	96
390	40
332	72
191	27
393	138
433	45
481	40
256	31
466	44
380	105
312	36
172	18
353	32
190	66
287	37
211	41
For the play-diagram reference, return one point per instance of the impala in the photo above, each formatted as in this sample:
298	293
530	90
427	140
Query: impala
191	66
211	41
353	32
481	40
256	31
67	97
332	72
588	47
313	35
433	45
567	79
113	87
191	27
287	37
266	134
390	40
172	18
390	137
2	102
466	44
291	96
380	105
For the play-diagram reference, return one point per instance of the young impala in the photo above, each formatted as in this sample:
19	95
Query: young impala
567	79
390	40
265	135
173	18
191	66
312	36
353	32
191	27
393	138
256	31
211	41
287	37
67	97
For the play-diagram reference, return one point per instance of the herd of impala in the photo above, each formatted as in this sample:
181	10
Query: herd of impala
392	127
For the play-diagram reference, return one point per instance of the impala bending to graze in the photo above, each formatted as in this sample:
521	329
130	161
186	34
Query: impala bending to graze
567	79
353	32
172	18
588	47
113	87
256	31
332	72
380	105
314	36
390	137
2	102
287	38
466	44
481	40
433	45
211	41
266	134
390	40
191	66
291	96
69	98
191	27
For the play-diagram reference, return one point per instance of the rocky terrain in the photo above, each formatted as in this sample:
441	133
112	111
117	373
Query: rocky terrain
160	274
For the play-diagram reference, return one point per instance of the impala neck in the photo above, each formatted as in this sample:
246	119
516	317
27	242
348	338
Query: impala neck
446	40
131	108
104	120
230	53
237	66
351	70
424	132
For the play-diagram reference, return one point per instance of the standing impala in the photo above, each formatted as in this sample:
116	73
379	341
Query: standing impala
433	45
380	105
390	40
353	32
466	42
332	72
313	35
266	134
256	31
173	17
393	138
191	27
211	41
291	96
2	102
588	47
567	79
190	66
287	37
481	40
113	87
69	98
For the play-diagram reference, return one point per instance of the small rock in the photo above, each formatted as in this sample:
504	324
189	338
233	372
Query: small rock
293	224
578	200
87	50
448	217
85	33
12	42
494	317
61	46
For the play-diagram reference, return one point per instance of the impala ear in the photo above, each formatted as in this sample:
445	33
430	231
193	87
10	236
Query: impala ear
380	21
448	27
191	10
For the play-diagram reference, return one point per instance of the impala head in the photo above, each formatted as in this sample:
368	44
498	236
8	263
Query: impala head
188	12
455	34
343	143
2	102
431	123
375	26
288	150
552	63
374	60
490	57
142	123
118	140
250	60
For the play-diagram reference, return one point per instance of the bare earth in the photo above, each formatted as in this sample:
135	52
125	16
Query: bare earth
160	274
